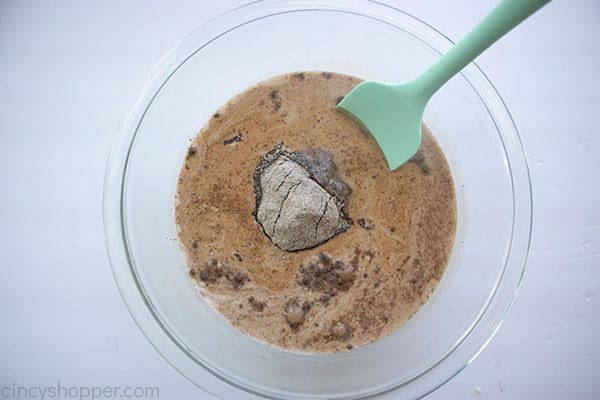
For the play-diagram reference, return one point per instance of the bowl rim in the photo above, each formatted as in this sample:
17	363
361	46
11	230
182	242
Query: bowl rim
116	169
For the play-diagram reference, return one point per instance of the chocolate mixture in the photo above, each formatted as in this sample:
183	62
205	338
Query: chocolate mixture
295	229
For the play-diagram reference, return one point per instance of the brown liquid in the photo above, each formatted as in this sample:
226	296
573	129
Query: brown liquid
399	244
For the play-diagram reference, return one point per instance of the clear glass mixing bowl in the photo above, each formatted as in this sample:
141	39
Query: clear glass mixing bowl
362	38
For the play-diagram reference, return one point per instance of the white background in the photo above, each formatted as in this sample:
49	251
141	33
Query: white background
70	69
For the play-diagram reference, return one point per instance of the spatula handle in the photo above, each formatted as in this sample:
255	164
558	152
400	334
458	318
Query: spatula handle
506	15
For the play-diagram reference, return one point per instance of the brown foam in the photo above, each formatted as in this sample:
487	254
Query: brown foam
399	250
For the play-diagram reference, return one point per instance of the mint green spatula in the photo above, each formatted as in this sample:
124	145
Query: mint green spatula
393	113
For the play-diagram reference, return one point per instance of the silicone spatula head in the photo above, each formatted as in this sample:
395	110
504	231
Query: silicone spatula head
392	114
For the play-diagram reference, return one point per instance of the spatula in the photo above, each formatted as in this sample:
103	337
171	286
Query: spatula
393	112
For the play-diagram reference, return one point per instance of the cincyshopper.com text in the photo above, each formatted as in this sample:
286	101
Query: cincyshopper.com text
81	392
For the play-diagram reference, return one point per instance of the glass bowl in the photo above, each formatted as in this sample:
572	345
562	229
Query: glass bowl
362	38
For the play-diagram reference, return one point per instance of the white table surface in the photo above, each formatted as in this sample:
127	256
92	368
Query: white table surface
69	70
